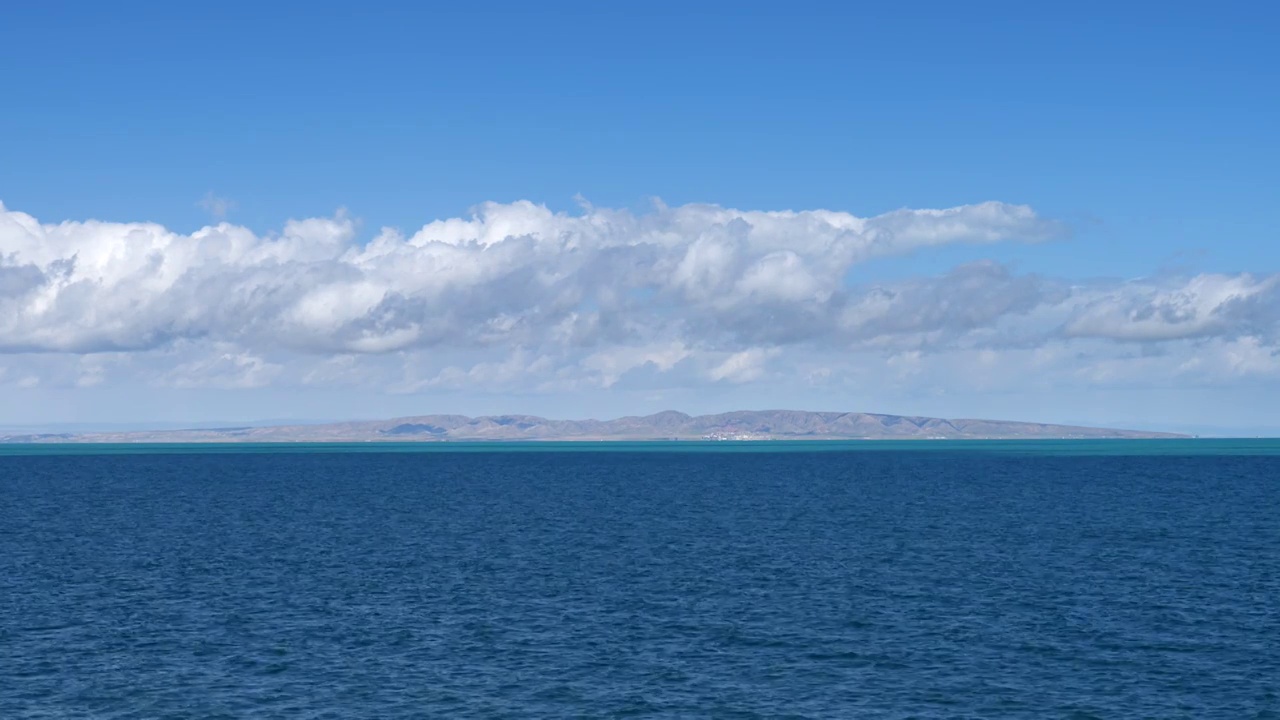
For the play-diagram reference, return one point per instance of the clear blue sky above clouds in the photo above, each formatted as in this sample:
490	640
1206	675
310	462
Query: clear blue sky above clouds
1145	134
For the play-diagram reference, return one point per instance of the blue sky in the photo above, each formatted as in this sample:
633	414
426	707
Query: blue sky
1145	135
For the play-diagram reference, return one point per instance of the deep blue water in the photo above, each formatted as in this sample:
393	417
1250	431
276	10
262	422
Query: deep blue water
838	584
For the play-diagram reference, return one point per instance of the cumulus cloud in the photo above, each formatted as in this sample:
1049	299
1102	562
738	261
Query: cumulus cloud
1207	305
970	297
519	295
610	364
511	274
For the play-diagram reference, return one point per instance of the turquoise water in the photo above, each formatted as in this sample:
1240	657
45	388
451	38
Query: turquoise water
690	580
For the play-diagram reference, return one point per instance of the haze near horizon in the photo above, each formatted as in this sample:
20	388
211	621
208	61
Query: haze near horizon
310	213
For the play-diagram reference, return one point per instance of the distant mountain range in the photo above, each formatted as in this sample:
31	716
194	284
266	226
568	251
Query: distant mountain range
669	425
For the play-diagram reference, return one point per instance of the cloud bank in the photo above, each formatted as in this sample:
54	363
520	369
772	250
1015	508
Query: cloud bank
517	295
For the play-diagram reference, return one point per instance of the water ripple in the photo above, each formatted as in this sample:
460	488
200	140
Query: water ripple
550	585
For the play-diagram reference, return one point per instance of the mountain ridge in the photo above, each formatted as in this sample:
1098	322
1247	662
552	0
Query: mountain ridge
665	425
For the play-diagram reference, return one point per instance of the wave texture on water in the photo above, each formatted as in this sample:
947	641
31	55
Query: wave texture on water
556	584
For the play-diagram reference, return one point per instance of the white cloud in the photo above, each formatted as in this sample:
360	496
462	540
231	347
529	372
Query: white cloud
612	363
507	275
92	370
520	297
1201	306
743	366
225	368
514	370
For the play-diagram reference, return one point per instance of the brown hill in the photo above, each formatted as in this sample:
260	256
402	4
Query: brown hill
669	425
